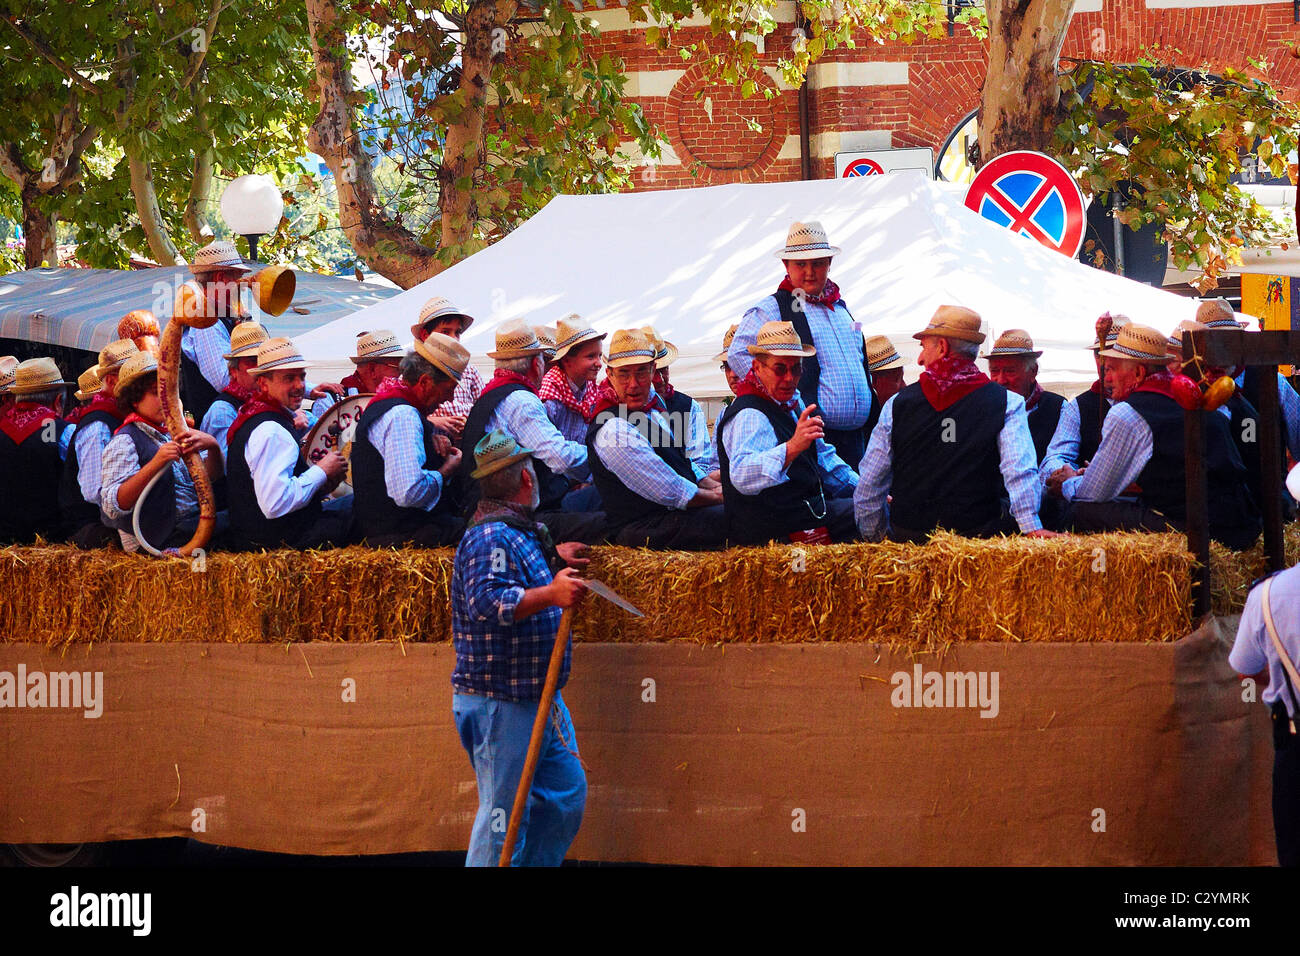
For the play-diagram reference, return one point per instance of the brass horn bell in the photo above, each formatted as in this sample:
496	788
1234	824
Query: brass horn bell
274	287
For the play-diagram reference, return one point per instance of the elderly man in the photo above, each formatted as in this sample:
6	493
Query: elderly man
508	586
1142	442
684	410
79	491
378	358
652	494
836	379
441	315
276	500
953	450
34	442
780	480
400	465
885	367
1013	364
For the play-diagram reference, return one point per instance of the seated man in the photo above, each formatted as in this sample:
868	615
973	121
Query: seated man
400	465
378	359
1142	442
276	499
245	340
441	315
1078	430
683	411
653	497
780	480
885	366
141	449
34	442
1013	364
732	378
79	490
953	450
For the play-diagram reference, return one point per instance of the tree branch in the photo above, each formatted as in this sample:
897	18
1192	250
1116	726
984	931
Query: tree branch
47	53
210	32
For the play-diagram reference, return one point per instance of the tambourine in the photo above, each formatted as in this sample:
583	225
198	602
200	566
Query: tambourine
334	432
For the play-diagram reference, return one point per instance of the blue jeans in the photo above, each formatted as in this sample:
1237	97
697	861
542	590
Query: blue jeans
495	734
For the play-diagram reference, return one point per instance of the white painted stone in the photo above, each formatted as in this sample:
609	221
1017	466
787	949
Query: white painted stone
828	75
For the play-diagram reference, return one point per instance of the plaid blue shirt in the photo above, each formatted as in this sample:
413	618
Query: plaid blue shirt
1126	447
628	454
495	656
758	462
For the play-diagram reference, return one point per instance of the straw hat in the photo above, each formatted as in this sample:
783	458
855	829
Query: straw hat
439	308
88	384
36	375
1217	314
780	338
807	240
546	335
220	254
726	344
954	322
665	352
245	339
1117	322
516	339
1013	342
373	346
137	366
496	450
445	353
278	355
881	354
1175	341
570	333
7	365
114	355
630	347
1141	343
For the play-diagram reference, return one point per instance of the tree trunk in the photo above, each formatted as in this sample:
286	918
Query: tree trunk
386	247
201	181
1018	109
146	207
40	230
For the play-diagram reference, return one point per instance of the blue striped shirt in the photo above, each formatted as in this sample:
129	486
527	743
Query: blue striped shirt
90	441
625	451
398	436
1126	447
758	462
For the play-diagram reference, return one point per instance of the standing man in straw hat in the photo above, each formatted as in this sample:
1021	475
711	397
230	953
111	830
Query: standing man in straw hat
508	586
217	267
1013	364
399	472
954	450
684	410
653	495
836	379
276	499
886	368
34	442
245	340
79	490
441	315
780	480
1142	442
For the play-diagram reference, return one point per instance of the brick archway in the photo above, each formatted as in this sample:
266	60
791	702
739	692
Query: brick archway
709	127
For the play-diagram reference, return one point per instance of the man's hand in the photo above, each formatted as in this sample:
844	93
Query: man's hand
300	420
195	440
1044	533
451	424
167	453
705	498
806	432
451	461
335	467
574	553
441	444
567	590
324	388
711	483
1057	478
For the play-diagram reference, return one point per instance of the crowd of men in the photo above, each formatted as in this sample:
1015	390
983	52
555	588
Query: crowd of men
823	440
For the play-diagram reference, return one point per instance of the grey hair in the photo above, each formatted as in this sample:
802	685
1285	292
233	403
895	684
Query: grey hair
963	348
46	398
505	484
522	366
415	366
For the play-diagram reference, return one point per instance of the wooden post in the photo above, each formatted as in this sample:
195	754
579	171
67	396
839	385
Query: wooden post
1198	511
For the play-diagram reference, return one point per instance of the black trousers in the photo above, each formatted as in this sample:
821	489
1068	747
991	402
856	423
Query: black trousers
1286	803
441	532
587	527
1091	517
695	529
839	522
89	537
849	444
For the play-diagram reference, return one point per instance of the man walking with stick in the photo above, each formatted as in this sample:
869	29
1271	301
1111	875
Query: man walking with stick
508	588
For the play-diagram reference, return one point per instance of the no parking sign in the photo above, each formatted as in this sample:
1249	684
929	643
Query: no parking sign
1033	195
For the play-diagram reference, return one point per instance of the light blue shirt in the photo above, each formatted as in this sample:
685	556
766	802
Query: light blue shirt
1289	402
1126	447
521	416
217	421
625	451
398	436
758	462
1253	649
1063	449
90	441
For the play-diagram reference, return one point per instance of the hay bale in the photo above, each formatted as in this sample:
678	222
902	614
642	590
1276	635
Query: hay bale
1232	572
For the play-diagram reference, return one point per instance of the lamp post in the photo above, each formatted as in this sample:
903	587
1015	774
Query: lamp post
252	207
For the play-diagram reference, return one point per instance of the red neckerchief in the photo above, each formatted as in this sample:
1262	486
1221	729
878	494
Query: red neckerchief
830	293
1034	397
1095	387
21	420
557	387
135	417
235	391
662	387
949	380
395	388
607	398
750	385
254	406
507	377
1178	387
351	381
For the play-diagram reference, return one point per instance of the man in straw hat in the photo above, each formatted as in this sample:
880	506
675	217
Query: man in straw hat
7	365
142	448
1142	442
82	481
732	378
510	403
441	315
400	466
885	366
780	480
568	389
34	442
508	586
1013	364
245	340
378	359
836	379
653	495
954	450
684	410
276	499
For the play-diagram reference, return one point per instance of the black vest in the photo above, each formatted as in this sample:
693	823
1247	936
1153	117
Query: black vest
1251	381
622	505
197	393
1243	420
774	512
1043	419
553	487
249	526
1093	410
158	519
1234	519
77	511
375	512
29	487
955	484
812	370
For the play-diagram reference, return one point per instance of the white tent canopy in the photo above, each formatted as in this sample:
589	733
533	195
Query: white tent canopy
692	261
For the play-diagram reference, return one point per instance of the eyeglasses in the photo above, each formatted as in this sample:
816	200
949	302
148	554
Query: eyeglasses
782	369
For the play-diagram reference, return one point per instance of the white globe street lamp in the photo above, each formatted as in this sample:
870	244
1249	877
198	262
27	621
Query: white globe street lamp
252	207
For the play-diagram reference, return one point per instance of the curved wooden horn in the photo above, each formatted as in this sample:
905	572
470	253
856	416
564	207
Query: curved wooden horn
189	310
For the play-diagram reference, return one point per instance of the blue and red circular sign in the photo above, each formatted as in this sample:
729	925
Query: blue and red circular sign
863	167
1033	195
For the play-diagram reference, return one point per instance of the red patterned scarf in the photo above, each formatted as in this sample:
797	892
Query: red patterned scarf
254	406
396	388
135	417
21	420
750	385
830	293
507	377
950	379
607	398
1034	397
236	391
557	387
99	403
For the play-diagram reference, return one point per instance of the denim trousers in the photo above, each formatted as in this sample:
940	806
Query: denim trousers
495	734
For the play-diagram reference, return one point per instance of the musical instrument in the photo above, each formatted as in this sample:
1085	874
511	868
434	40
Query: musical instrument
141	327
334	432
273	288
